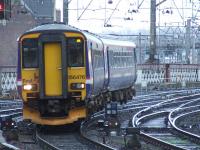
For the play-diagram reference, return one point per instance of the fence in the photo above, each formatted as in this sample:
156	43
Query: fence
168	74
162	74
8	76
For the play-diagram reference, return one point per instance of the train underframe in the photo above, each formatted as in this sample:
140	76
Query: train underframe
98	102
60	112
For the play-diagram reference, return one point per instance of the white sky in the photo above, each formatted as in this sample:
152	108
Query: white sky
96	15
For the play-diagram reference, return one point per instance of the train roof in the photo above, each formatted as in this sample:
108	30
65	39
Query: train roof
64	27
117	42
49	27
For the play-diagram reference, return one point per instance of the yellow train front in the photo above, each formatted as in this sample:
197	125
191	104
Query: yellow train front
65	73
52	75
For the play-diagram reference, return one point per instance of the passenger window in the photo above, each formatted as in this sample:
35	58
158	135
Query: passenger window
30	53
75	52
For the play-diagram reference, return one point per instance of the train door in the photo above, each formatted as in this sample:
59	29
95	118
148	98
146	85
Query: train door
53	75
52	58
52	71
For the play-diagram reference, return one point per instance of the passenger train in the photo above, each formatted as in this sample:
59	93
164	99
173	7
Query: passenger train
65	74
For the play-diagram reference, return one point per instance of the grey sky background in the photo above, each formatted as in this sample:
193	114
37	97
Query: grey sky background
123	15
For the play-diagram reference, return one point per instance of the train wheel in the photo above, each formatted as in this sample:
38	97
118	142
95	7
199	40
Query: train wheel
107	97
95	108
121	97
126	96
98	103
134	92
130	94
90	108
115	96
101	102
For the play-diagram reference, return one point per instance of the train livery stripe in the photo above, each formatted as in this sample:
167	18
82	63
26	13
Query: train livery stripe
87	63
30	36
19	75
88	78
19	64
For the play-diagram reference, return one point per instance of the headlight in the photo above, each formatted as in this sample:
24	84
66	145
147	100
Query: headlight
28	87
76	86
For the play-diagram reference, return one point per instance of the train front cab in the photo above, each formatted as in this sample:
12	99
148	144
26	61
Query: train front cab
53	77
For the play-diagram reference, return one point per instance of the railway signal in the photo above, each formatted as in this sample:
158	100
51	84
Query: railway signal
5	9
2	9
1	6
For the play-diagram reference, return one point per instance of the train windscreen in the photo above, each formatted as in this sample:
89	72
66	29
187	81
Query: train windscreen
75	52
30	53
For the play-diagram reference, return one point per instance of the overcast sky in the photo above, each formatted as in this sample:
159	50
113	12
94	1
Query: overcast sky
96	16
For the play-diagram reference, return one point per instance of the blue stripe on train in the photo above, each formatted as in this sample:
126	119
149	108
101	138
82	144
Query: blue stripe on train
19	76
88	86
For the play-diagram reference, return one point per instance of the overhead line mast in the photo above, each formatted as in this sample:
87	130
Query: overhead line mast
153	31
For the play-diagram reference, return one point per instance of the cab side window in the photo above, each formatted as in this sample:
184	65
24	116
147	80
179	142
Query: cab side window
30	53
75	52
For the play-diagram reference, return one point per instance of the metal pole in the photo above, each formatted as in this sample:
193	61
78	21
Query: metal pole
152	31
105	15
194	54
65	12
54	10
187	42
140	48
4	9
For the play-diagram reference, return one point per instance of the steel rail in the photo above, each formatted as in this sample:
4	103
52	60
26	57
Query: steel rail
121	110
143	116
13	113
44	144
194	136
185	110
87	123
83	127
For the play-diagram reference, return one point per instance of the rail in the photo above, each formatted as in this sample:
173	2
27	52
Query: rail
44	144
13	113
156	111
8	146
83	127
183	111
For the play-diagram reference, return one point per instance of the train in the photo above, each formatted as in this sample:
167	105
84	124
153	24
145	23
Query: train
65	74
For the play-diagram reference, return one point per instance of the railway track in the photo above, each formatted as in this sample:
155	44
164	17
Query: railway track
90	137
10	110
77	140
63	138
189	112
128	111
189	122
153	123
